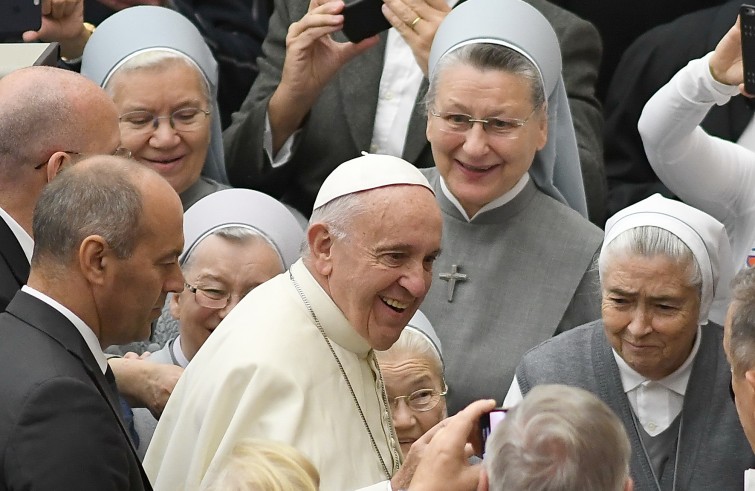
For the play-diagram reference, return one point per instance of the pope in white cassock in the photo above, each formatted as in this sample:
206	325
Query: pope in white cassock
294	361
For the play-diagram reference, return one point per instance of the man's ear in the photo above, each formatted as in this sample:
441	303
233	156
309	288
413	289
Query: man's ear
55	164
320	241
482	484
750	378
95	259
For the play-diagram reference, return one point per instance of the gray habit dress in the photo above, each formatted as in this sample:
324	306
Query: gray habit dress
529	275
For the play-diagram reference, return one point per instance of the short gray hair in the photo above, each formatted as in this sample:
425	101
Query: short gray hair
157	59
558	438
742	328
102	200
650	241
488	56
338	215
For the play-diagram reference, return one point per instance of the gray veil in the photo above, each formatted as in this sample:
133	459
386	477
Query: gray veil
521	27
143	28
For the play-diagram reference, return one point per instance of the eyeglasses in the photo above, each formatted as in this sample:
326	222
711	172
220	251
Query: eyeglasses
461	123
420	400
118	152
185	119
210	298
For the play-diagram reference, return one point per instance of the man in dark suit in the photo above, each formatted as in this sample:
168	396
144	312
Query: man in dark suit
49	118
648	64
330	91
108	233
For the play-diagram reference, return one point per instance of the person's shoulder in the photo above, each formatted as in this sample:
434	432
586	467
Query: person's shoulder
554	346
566	220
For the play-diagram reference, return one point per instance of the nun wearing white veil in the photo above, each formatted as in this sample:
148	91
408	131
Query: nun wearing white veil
163	78
517	262
236	239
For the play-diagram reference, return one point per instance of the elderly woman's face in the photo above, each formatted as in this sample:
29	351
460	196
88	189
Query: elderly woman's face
650	312
219	266
477	165
176	154
404	376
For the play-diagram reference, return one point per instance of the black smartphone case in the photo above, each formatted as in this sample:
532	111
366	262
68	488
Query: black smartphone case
363	18
18	16
747	25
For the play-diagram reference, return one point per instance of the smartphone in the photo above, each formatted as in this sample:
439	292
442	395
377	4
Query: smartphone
363	18
18	16
747	25
488	422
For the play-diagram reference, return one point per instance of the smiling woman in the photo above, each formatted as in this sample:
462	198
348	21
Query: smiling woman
163	82
517	255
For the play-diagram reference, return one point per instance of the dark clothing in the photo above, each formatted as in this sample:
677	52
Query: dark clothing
60	426
647	66
14	267
620	24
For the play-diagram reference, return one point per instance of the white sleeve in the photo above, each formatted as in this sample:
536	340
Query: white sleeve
284	154
514	395
708	173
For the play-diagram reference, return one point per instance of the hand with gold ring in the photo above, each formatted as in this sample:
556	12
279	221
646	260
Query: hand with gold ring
405	17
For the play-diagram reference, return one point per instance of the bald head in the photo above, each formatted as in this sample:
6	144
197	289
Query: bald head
44	110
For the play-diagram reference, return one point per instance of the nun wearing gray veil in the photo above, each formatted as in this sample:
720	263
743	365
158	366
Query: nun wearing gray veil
235	240
517	262
163	78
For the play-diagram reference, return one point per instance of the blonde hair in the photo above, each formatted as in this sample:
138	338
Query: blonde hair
262	465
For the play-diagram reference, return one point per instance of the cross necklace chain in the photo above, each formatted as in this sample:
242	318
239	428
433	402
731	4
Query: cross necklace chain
348	383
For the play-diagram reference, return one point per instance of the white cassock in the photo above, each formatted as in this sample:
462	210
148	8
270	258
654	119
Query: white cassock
267	372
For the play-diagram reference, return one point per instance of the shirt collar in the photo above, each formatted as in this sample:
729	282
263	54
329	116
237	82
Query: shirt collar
178	353
23	238
676	381
333	321
86	332
496	203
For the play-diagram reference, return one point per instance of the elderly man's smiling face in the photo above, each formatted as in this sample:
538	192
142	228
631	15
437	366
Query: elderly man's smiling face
381	271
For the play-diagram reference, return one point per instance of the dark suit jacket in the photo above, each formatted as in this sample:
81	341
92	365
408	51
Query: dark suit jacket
14	267
340	124
59	421
646	67
620	23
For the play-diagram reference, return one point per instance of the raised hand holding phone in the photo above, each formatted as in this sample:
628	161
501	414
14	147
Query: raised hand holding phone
747	28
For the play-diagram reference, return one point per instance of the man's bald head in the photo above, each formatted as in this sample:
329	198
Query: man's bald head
45	110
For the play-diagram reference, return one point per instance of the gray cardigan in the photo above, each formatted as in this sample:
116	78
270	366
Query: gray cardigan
714	452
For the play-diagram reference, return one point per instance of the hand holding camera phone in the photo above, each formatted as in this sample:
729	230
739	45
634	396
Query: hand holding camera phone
747	27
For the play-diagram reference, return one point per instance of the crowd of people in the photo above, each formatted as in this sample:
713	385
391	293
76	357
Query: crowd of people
335	286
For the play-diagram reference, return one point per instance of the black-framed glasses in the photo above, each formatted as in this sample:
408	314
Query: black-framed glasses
185	119
118	152
420	400
453	122
210	298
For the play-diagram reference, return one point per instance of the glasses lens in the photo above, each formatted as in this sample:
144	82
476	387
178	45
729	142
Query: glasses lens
211	299
423	399
137	120
188	118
